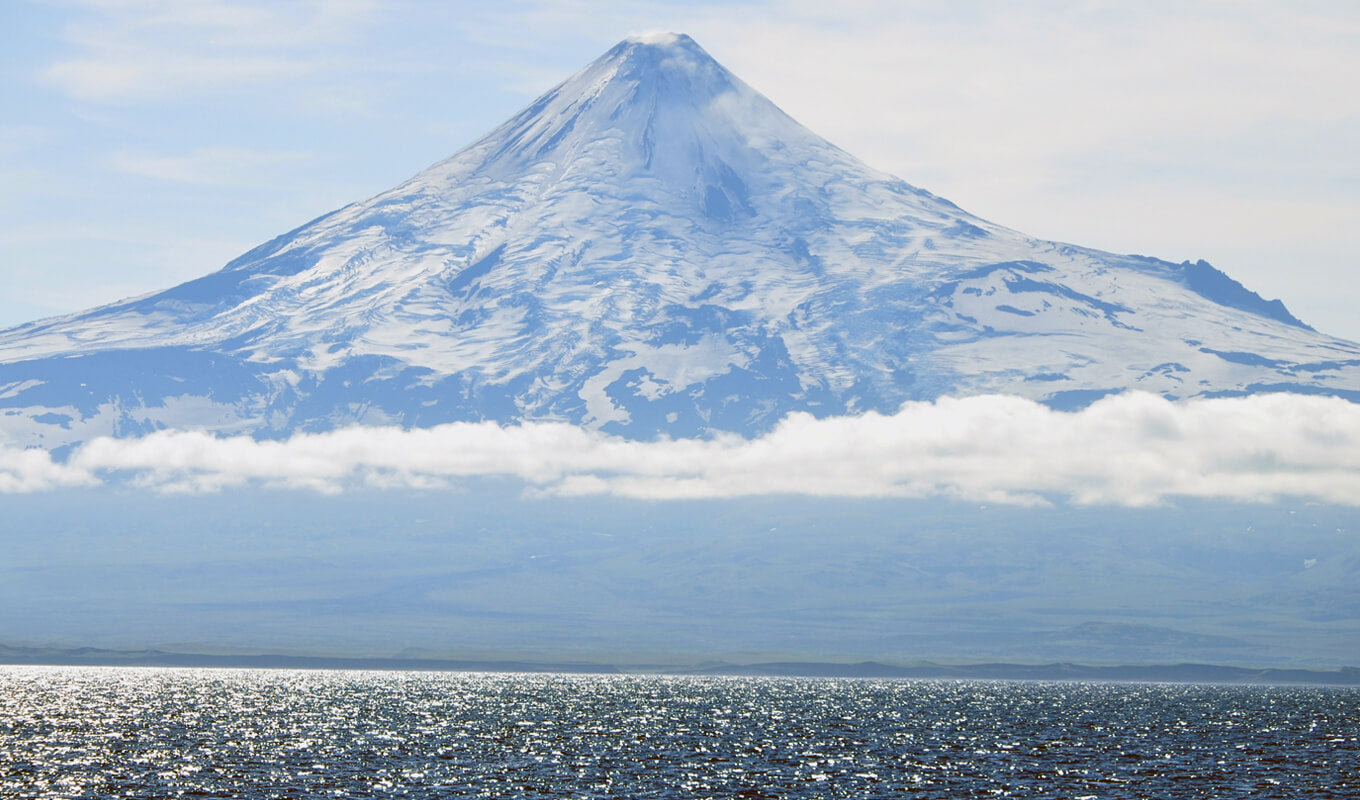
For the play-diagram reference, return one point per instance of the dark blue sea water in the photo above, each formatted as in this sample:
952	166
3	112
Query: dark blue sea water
131	732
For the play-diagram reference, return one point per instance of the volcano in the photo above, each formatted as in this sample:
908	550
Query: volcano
651	248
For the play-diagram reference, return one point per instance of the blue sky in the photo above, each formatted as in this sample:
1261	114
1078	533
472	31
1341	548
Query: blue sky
146	142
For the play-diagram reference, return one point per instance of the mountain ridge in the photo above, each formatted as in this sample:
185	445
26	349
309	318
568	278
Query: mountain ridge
649	248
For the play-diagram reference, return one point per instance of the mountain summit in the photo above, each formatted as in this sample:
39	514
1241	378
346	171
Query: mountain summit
652	247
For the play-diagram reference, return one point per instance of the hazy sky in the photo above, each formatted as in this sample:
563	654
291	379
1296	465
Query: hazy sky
146	142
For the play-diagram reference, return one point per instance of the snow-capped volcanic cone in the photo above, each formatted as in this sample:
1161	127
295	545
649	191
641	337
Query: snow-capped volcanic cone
651	247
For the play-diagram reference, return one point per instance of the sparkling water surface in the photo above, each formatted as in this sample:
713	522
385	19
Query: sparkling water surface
135	732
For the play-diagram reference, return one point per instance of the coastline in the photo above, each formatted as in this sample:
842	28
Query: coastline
1054	671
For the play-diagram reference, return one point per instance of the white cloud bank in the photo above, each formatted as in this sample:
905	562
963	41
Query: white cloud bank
1133	449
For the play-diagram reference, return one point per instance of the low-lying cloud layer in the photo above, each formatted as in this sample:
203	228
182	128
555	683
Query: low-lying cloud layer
1132	449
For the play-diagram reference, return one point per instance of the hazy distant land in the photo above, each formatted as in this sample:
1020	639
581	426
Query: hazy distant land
1175	673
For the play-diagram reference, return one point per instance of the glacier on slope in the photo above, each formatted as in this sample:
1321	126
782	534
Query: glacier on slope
650	248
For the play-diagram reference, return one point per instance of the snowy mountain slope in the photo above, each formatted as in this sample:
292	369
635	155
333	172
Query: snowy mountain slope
651	247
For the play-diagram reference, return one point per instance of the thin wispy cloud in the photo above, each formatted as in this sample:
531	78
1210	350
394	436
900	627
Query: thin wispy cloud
1134	449
206	166
130	51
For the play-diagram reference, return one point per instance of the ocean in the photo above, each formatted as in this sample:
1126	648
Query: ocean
84	732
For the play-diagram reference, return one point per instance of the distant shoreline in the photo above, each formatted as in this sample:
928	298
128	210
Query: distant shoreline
1058	671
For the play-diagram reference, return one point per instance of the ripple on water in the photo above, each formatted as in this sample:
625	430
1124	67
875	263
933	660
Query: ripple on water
136	732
